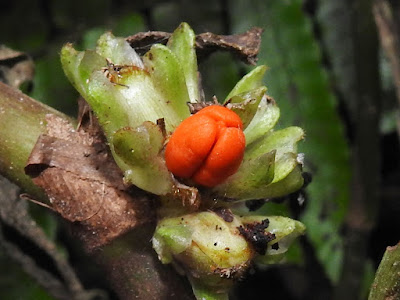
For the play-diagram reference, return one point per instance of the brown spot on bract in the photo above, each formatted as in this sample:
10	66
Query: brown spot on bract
256	235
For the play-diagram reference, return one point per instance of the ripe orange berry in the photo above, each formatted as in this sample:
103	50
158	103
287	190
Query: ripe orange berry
207	147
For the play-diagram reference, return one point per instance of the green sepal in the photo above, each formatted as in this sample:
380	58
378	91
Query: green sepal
283	141
264	120
182	44
137	152
270	168
249	82
245	105
291	183
252	174
70	61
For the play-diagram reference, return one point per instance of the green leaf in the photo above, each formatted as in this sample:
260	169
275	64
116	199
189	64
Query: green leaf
138	152
289	184
249	82
182	44
213	235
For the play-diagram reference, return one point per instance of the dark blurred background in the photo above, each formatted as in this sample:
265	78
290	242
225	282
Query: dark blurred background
328	74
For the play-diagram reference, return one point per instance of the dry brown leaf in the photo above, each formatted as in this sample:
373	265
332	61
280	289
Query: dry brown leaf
84	184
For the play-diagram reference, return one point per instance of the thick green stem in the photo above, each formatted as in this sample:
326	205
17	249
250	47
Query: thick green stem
386	285
22	120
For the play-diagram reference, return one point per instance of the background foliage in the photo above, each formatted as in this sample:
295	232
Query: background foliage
323	73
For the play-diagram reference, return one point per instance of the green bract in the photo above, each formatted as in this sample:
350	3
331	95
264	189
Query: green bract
213	253
139	101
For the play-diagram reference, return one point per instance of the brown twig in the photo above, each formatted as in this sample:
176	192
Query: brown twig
245	46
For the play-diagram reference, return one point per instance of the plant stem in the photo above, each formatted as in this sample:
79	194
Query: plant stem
135	271
386	285
22	120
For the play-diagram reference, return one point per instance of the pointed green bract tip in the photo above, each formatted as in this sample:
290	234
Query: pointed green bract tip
249	82
182	44
117	50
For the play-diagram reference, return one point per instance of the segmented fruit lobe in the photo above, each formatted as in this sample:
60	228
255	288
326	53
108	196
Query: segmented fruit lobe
207	147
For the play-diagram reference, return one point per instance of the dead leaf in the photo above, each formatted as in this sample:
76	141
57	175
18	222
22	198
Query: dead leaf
85	185
245	46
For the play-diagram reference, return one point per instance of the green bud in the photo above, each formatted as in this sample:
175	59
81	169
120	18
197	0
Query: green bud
211	251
